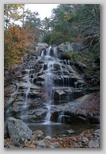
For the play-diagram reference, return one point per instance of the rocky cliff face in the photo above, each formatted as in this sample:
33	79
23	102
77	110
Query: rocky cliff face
44	89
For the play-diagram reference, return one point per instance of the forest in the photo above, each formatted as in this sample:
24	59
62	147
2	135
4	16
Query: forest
68	22
52	77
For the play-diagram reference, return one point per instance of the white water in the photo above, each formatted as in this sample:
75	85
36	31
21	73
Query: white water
62	73
49	82
60	117
28	90
25	110
48	115
55	52
48	51
26	96
42	54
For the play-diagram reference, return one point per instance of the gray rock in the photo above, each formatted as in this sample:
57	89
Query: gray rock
41	144
70	131
96	133
6	144
94	143
54	145
65	47
85	140
12	147
81	65
19	132
47	138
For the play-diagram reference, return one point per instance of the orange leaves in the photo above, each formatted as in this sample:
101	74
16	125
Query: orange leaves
16	41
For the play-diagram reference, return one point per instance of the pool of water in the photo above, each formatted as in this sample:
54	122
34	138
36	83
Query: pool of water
61	130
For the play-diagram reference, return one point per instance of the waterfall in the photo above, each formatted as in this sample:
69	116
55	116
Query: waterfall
42	53
68	62
55	52
48	84
67	81
27	94
24	108
60	117
48	51
48	115
62	73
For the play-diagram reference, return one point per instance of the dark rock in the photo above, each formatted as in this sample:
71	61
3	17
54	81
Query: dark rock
59	96
54	116
65	56
18	132
80	65
6	134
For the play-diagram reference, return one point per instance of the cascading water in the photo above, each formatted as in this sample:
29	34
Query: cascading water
48	51
62	74
48	115
60	117
51	64
48	84
53	75
26	96
24	108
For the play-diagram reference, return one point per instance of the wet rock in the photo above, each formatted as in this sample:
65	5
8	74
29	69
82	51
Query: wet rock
34	94
18	132
59	96
23	85
34	115
41	78
54	116
70	131
40	112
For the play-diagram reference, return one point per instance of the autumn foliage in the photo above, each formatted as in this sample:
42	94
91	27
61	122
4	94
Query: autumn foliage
16	41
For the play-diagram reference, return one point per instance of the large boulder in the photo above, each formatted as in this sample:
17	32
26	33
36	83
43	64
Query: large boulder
19	132
64	47
86	112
